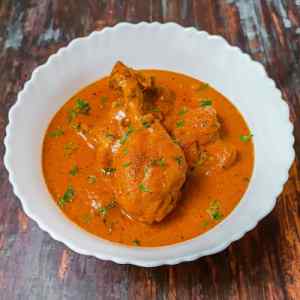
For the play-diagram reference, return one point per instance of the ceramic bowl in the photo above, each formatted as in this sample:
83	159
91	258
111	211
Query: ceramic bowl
163	46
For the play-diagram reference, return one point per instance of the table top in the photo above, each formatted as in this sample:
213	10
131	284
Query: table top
264	264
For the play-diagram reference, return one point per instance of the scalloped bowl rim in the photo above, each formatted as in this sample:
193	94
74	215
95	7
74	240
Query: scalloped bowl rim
143	256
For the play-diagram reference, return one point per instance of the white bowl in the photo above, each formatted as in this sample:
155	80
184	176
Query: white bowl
164	46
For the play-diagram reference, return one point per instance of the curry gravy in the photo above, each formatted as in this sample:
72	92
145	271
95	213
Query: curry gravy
86	197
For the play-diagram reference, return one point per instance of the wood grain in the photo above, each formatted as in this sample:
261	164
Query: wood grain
265	264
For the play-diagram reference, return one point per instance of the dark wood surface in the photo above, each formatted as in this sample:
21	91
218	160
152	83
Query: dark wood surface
265	264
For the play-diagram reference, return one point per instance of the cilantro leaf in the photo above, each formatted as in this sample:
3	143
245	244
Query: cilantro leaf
214	210
203	86
108	171
82	107
67	197
126	135
70	148
136	242
155	109
179	159
92	179
126	165
74	171
56	133
183	111
142	188
246	138
146	124
158	162
103	100
205	103
180	123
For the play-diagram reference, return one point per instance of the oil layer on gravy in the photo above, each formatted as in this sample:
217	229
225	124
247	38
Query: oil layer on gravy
147	158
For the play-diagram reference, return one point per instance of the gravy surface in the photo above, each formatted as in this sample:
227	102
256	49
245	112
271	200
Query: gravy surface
208	197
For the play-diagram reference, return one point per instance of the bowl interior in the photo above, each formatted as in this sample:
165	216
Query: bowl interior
168	47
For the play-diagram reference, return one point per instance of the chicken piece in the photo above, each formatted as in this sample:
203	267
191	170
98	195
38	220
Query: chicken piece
194	129
193	154
122	76
222	154
197	125
101	137
151	170
150	167
198	132
216	156
160	102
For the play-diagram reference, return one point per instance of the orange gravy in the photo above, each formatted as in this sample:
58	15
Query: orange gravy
68	161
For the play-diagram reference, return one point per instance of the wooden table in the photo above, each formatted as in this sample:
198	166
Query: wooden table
265	264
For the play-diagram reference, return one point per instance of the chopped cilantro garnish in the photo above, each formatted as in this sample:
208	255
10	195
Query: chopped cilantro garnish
217	216
56	133
205	103
136	242
86	218
76	126
214	211
146	123
158	162
142	188
103	100
203	86
82	107
126	165
205	223
67	196
125	150
70	148
126	135
109	135
175	140
179	159
116	104
180	123
183	111
72	114
74	171
103	211
246	138
155	109
108	170
92	179
146	170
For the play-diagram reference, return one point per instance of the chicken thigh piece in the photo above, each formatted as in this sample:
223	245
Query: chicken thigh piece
197	127
150	171
150	167
198	132
198	124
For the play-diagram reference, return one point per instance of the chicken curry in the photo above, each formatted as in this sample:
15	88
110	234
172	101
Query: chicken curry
148	157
